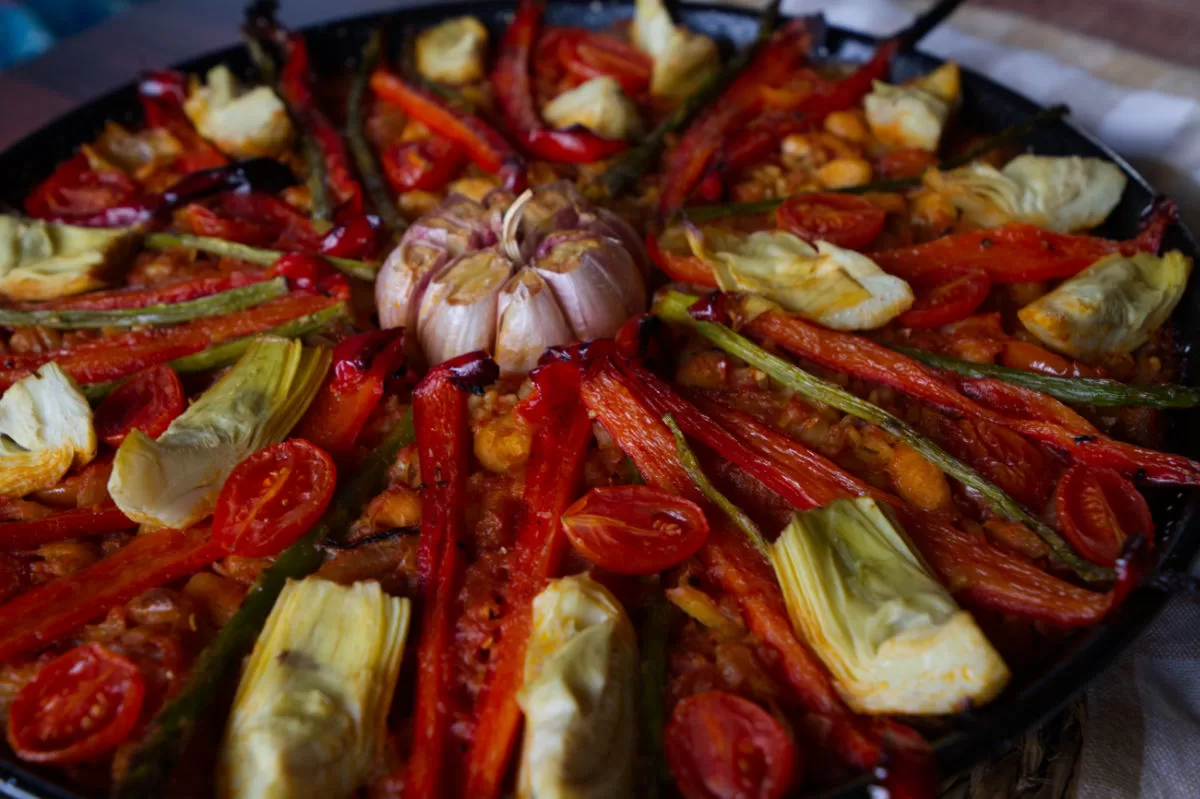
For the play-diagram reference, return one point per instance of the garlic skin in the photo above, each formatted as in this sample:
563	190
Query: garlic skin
513	275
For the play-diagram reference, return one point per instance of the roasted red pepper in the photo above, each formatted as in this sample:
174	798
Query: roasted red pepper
679	263
552	480
295	84
1020	253
444	448
484	146
1029	413
729	560
162	95
311	273
362	367
514	91
425	165
120	356
73	523
75	189
44	614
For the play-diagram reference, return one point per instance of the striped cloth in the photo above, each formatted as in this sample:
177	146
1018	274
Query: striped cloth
1143	725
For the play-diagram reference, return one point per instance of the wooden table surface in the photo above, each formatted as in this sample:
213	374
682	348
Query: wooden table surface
164	32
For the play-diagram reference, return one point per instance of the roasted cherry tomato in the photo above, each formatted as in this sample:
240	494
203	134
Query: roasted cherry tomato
906	163
79	706
273	497
670	252
586	55
310	273
945	296
635	529
356	236
721	746
149	401
1025	355
840	219
1098	509
424	165
1002	456
77	189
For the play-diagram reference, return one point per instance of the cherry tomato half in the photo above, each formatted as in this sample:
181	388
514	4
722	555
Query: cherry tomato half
424	165
1098	509
670	252
1002	456
635	529
721	746
273	497
149	401
840	219
944	296
587	55
79	706
75	188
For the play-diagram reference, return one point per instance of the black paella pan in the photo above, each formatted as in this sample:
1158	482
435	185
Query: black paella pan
987	107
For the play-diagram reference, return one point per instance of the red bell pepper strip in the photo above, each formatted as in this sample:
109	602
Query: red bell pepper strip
1041	421
443	447
1020	253
552	480
42	615
120	356
73	523
74	188
162	95
729	559
970	565
263	174
295	84
362	367
687	162
172	293
679	265
484	146
514	91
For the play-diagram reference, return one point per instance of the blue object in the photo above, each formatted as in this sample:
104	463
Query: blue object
29	28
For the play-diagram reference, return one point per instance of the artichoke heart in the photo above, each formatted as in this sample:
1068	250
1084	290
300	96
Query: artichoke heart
240	123
840	289
310	715
42	260
891	635
683	60
913	115
174	481
45	429
1059	193
453	51
1112	307
578	697
599	105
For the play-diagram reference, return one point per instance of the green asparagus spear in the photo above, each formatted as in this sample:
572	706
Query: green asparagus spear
232	249
691	465
703	213
166	739
1080	390
624	173
228	352
356	138
674	308
226	302
654	631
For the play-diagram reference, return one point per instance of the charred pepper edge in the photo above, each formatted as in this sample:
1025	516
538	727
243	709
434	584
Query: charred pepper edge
675	308
154	759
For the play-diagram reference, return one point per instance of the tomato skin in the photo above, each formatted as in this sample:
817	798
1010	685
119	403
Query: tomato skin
721	746
680	265
273	497
76	189
945	296
78	707
1098	509
635	529
1002	456
586	55
149	401
425	165
840	219
1019	354
903	163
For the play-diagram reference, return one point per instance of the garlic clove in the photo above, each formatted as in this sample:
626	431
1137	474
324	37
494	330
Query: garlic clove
459	309
530	321
596	282
402	280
